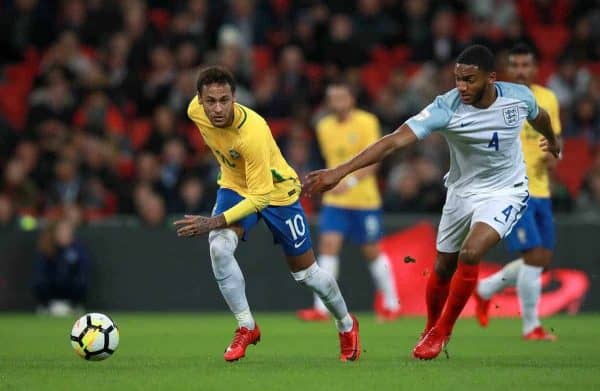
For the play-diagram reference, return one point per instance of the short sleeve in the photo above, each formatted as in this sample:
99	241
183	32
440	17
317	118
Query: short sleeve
435	116
533	109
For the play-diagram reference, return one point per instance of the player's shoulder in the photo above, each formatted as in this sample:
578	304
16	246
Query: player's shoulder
194	107
448	101
364	115
541	92
248	116
514	91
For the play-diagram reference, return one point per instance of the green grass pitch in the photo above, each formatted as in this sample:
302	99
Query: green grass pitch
184	352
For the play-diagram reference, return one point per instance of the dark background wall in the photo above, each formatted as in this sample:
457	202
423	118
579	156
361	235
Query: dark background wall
137	268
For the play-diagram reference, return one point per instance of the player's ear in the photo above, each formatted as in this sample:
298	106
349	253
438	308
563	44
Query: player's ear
492	77
199	95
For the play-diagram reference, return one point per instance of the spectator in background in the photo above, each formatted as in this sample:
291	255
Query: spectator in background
248	19
163	129
193	197
123	83
150	209
8	217
21	26
569	82
157	85
588	201
585	121
442	46
305	37
415	18
66	187
515	33
581	47
373	26
61	270
171	171
342	46
19	187
54	99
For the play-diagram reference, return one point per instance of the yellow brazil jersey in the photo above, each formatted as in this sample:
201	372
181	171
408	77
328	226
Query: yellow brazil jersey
539	185
250	160
340	141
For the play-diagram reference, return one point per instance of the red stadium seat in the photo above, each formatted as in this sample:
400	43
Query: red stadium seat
374	76
550	40
262	57
279	126
139	132
577	159
159	18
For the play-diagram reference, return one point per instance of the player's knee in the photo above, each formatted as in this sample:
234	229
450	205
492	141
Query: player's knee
222	244
444	270
469	255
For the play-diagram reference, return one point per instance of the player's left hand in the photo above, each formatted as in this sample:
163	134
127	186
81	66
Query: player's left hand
549	147
320	181
193	225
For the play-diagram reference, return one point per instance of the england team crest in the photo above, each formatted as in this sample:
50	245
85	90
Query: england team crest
511	115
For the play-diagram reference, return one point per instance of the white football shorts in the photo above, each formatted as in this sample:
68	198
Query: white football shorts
460	213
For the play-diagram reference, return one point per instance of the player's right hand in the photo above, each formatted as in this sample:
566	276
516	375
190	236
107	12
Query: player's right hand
320	181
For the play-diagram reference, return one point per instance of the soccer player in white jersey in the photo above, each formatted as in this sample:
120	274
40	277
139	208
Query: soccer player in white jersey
533	235
481	120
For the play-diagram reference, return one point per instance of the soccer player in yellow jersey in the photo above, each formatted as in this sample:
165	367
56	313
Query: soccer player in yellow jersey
353	208
533	234
255	183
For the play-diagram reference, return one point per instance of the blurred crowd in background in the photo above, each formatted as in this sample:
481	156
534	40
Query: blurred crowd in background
94	92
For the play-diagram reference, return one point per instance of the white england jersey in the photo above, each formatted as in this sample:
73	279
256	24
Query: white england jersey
485	147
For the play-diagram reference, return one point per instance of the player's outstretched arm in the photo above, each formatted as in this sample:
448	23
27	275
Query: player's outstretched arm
542	124
192	225
322	180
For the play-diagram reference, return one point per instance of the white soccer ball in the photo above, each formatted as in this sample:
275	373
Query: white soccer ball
95	337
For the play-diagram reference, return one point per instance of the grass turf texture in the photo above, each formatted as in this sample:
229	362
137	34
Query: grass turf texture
184	351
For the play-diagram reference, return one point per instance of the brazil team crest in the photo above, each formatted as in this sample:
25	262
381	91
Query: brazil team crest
234	154
511	115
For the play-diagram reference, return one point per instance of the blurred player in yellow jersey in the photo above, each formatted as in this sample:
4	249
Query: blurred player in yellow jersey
255	183
352	210
533	234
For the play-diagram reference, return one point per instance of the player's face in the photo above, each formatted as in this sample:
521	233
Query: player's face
472	82
522	68
339	99
217	100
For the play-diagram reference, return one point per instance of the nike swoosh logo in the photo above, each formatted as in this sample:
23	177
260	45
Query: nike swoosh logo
463	124
296	245
501	222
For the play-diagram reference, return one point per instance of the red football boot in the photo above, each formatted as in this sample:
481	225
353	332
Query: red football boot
539	334
312	315
431	345
242	338
482	310
350	343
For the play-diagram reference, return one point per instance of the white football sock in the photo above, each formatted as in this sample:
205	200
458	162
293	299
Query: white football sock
325	286
529	287
230	279
507	276
384	281
331	264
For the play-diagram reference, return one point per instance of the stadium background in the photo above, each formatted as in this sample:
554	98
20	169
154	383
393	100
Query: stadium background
93	126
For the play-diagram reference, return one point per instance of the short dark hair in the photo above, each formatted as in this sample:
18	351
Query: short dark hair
479	56
522	49
218	75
